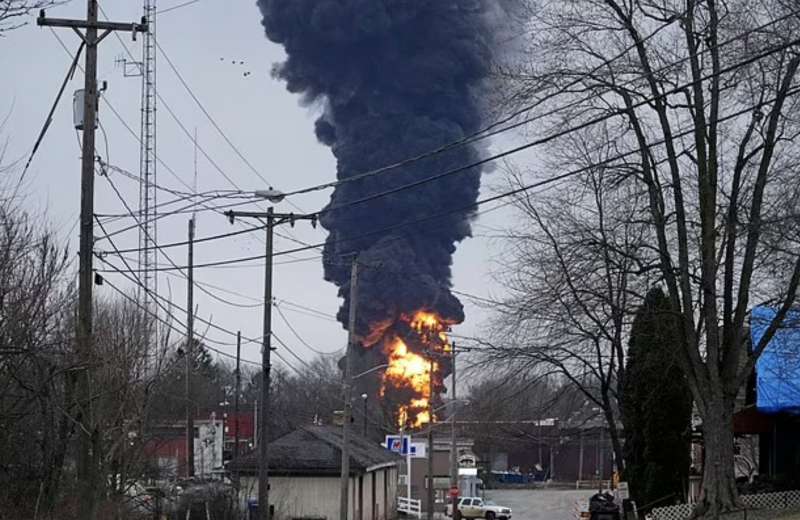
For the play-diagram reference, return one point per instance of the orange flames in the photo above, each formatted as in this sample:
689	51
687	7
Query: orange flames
413	374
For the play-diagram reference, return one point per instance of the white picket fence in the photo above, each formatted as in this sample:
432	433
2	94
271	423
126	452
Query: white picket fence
409	506
774	501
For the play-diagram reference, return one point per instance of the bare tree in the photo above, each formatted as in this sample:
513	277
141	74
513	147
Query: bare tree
36	422
13	13
576	265
704	91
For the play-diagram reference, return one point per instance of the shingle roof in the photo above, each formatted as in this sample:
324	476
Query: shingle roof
316	450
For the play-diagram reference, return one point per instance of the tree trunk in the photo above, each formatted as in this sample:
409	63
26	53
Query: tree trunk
616	442
718	493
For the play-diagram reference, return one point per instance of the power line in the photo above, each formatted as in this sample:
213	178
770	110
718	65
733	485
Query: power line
206	322
213	121
157	297
138	282
119	116
310	311
544	140
297	335
487	200
492	128
170	325
160	250
197	241
175	7
290	351
180	125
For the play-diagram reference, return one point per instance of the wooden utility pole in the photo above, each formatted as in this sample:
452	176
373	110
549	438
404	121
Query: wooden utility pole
236	401
453	446
89	440
190	356
273	219
430	441
347	387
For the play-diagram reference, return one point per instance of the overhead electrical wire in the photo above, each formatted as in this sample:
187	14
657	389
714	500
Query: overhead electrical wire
157	297
176	7
561	133
201	320
488	159
138	282
487	200
177	121
212	120
119	116
171	326
300	338
749	60
160	250
492	128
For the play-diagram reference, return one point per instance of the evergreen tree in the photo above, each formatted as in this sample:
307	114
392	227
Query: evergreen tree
656	406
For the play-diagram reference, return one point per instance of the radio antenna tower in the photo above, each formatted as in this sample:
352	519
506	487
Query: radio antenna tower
148	254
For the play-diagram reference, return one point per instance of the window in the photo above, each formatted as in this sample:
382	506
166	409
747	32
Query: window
466	502
477	502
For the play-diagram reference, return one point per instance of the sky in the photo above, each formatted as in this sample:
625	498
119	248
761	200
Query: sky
223	56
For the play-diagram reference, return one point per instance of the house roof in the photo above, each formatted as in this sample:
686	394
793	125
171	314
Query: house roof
316	450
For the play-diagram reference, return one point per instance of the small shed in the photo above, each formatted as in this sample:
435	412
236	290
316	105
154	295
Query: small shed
304	476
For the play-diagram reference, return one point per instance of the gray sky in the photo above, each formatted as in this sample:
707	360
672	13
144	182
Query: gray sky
258	115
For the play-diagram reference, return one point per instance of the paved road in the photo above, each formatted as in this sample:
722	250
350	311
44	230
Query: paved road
540	504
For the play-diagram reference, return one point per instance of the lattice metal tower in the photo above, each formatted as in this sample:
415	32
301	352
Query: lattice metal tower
148	255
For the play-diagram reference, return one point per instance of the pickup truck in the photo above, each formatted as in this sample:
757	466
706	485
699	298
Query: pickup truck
476	507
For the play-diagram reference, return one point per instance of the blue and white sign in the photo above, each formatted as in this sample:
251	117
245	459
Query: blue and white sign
402	446
396	444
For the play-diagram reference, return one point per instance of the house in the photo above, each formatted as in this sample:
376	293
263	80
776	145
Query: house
768	425
304	476
165	447
245	423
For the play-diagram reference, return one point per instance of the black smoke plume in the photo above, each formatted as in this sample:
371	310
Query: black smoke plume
396	78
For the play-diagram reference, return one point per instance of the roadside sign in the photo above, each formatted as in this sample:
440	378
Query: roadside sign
419	450
622	490
397	444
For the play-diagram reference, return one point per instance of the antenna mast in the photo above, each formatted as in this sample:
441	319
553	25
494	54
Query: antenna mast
148	255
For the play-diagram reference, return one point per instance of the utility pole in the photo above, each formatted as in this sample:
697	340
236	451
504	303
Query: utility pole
89	433
273	219
430	441
347	384
190	356
236	402
453	447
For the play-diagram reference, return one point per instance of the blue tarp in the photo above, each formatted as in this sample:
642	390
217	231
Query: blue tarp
778	368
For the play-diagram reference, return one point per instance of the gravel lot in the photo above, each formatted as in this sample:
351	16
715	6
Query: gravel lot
540	504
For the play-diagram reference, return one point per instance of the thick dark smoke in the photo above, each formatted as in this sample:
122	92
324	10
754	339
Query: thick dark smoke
397	78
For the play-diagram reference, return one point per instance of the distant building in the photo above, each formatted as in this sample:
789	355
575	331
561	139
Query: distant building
545	449
469	484
165	447
304	476
246	424
767	423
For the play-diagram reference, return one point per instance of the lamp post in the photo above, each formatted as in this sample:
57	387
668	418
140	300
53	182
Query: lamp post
273	219
365	397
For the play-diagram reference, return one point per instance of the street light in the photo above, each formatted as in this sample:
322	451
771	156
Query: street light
365	396
270	194
273	219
